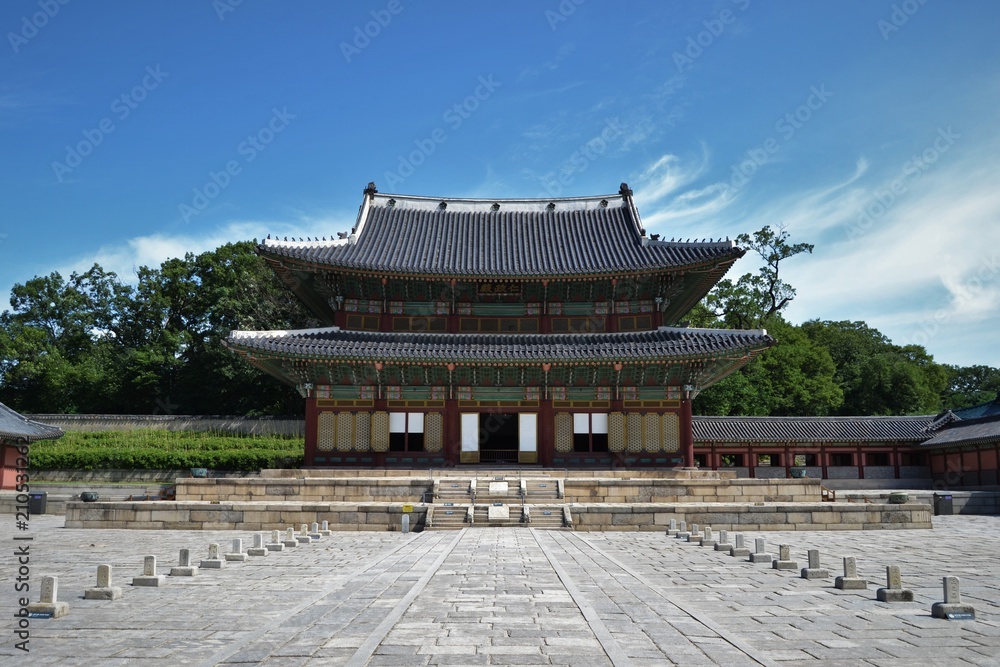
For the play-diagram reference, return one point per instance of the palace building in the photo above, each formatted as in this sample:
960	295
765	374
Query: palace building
529	331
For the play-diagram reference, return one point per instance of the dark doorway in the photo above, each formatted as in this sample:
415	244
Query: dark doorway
498	438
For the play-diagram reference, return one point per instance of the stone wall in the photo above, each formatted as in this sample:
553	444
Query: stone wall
759	517
357	490
687	491
586	517
154	515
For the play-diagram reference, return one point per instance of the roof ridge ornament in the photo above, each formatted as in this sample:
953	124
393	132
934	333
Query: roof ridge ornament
625	190
371	189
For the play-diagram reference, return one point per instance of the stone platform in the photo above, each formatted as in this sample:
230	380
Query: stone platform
598	501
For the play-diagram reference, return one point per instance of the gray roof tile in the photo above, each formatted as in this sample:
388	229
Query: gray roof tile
535	348
810	429
16	427
525	237
979	431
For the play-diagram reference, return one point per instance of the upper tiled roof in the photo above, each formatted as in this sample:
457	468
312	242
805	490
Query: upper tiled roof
810	429
679	343
984	430
406	234
14	426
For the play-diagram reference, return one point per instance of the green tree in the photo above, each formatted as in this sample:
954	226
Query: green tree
753	300
970	385
794	378
93	344
877	377
61	343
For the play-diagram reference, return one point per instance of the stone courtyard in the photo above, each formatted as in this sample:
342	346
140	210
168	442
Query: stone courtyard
500	596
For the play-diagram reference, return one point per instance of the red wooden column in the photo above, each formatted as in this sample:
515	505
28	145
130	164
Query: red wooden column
312	419
452	432
546	432
687	433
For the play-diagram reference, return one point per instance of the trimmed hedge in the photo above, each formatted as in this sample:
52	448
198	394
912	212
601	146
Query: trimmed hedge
158	450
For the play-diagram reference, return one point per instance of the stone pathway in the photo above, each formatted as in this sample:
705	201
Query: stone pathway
506	596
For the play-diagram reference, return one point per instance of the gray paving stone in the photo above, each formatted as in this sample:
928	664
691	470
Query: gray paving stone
513	596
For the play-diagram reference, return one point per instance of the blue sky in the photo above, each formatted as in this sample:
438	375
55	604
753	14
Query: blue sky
132	132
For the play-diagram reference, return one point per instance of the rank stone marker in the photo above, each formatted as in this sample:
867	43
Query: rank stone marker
723	543
48	603
815	570
104	589
759	555
184	567
740	549
784	560
672	529
237	553
304	537
850	581
149	576
695	536
276	544
324	529
258	548
213	561
894	591
290	540
314	532
682	533
952	607
708	540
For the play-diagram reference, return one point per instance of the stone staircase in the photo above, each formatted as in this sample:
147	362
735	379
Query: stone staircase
540	498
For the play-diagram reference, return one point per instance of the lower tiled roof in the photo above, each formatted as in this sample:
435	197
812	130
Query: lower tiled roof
666	342
810	429
16	427
976	432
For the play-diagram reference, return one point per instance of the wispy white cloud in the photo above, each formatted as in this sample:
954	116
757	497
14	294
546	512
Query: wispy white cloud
928	266
661	195
152	249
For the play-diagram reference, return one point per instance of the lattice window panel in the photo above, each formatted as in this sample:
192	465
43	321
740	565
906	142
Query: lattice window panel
616	432
564	432
326	431
651	437
380	432
362	431
433	432
633	432
671	433
344	431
